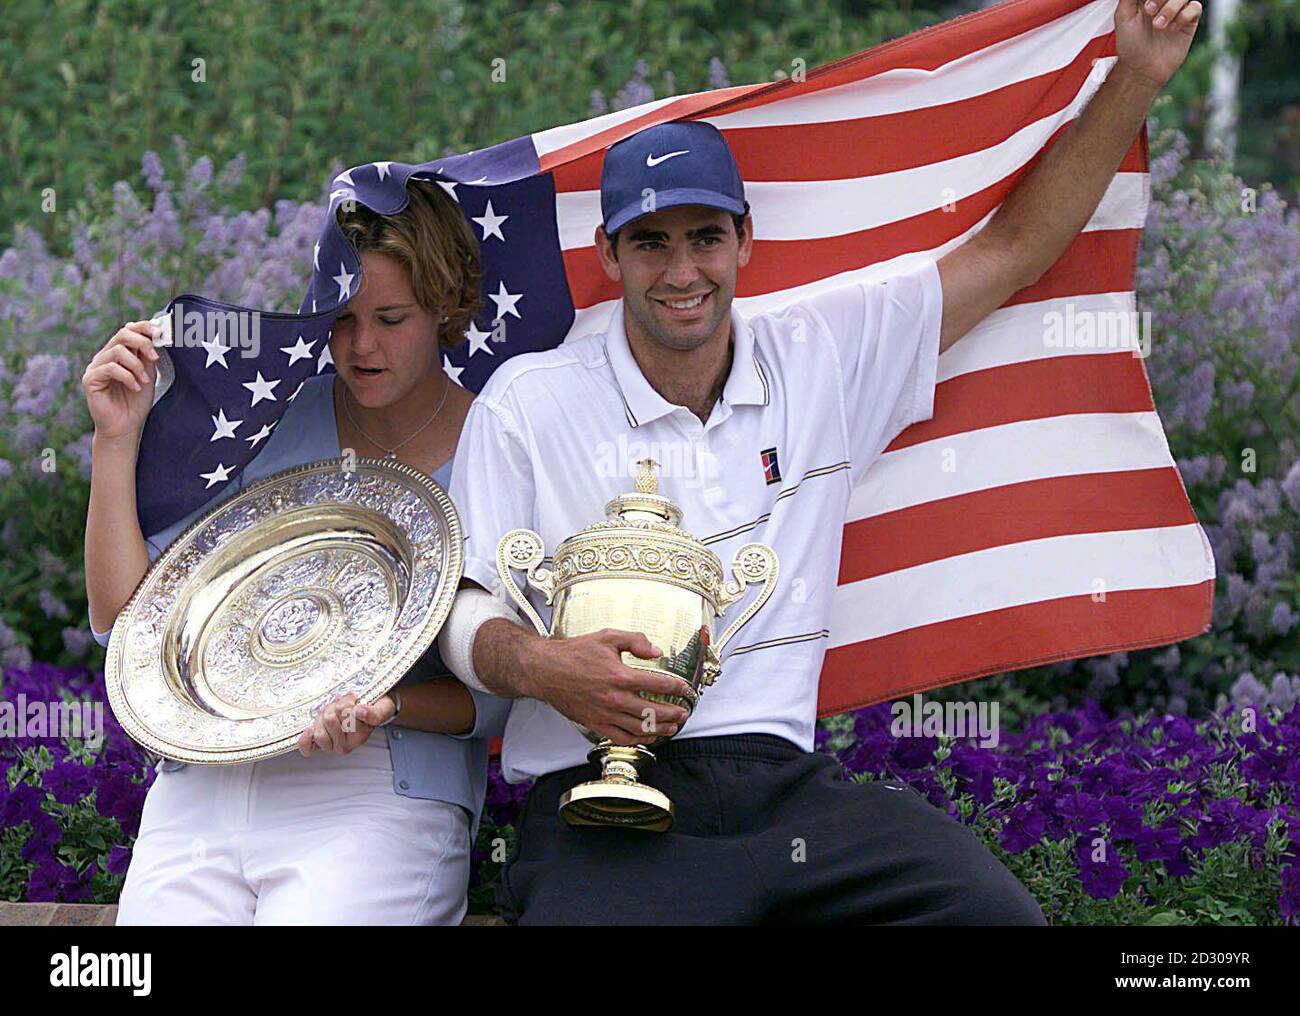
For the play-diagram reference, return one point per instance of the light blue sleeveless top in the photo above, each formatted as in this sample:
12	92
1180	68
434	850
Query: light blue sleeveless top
438	767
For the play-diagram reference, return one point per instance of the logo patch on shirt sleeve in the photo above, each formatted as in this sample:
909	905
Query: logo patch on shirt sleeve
771	467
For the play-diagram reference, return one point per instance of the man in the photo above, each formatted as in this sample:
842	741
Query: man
772	421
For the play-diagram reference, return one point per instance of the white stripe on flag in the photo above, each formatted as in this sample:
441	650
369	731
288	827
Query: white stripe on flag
1018	573
554	138
1073	444
1018	334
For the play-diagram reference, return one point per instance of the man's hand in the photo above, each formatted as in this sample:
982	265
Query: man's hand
1046	211
343	726
1152	37
584	678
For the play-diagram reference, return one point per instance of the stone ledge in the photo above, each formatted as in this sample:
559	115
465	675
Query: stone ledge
86	915
59	915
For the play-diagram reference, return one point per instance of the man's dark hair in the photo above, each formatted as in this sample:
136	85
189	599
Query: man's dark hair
737	220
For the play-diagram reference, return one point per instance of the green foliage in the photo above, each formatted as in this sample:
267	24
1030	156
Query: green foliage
300	88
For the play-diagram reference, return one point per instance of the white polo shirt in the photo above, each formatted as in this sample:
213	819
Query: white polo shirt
815	394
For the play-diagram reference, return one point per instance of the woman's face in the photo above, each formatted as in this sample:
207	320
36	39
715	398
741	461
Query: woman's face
384	343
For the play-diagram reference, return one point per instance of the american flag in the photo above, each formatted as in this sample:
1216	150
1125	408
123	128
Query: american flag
1063	531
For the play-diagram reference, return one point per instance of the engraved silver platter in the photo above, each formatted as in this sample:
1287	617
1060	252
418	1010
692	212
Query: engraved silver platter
309	584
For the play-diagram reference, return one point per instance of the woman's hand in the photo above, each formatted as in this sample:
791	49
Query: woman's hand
343	725
119	381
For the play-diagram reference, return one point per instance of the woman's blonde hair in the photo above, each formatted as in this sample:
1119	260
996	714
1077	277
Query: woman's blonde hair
432	239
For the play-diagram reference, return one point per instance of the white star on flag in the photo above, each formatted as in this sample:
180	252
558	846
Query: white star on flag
216	352
261	389
225	428
263	433
383	169
491	222
505	301
300	350
325	357
453	372
450	187
478	340
315	256
346	177
219	475
344	279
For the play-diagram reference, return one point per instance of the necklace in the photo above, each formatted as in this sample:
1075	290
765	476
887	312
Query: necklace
392	452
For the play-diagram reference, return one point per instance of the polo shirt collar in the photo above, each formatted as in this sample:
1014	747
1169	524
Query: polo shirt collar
747	384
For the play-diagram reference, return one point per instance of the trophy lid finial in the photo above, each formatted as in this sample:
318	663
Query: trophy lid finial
646	481
645	503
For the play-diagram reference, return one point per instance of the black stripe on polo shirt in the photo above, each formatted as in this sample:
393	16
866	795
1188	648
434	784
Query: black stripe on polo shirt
787	640
788	492
767	392
626	408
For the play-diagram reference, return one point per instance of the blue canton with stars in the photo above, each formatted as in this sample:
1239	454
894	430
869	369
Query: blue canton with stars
221	405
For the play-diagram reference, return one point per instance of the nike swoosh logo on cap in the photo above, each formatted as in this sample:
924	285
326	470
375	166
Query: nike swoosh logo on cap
652	161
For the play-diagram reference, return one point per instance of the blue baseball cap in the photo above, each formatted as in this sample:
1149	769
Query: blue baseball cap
686	162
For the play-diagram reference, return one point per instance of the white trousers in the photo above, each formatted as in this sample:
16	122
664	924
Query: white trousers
293	840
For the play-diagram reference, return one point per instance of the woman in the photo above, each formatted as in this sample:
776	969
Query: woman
362	824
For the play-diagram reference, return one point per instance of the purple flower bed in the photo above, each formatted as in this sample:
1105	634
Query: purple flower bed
1151	819
1120	820
69	809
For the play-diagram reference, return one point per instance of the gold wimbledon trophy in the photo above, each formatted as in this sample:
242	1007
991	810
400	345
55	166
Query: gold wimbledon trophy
637	571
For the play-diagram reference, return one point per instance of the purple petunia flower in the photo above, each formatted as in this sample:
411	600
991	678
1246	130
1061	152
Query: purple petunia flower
42	840
1024	828
1102	879
22	804
51	881
1289	899
68	781
119	859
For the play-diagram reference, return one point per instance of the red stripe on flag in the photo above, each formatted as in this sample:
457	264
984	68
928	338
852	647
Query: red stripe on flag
1013	638
928	49
1034	390
847	149
1078	271
1013	513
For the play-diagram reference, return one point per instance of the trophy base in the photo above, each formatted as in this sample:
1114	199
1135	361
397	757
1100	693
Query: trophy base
631	806
618	798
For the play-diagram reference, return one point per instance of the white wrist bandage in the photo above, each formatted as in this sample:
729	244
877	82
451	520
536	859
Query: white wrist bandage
469	611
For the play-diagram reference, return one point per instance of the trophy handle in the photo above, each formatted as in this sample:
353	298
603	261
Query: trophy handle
754	562
521	550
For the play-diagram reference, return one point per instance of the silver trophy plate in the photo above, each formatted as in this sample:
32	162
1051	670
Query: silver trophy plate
307	585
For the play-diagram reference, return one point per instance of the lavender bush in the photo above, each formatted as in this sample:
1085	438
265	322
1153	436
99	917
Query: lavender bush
1220	273
132	250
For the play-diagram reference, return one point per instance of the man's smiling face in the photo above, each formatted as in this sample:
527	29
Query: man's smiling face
678	270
